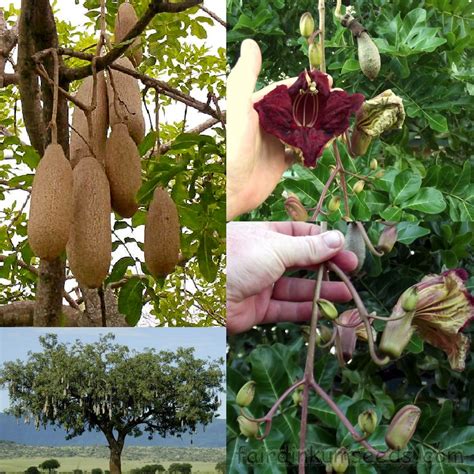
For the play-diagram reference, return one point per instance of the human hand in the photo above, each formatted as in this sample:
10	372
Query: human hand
258	255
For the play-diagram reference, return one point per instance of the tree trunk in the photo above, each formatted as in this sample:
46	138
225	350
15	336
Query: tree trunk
115	465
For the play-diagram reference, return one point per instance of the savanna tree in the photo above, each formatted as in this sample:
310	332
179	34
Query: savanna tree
181	151
50	465
109	388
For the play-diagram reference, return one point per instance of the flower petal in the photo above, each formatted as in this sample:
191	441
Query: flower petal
339	107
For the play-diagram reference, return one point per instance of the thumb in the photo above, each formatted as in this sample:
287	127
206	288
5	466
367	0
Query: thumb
304	251
243	77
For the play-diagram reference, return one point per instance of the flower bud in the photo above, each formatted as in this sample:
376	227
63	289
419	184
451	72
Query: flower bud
248	428
314	55
368	421
334	204
360	142
409	299
325	334
245	395
373	164
359	186
369	56
356	244
295	209
402	428
327	309
297	396
387	239
397	334
380	174
306	25
340	460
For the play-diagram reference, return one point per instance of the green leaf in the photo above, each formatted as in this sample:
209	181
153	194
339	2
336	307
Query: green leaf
437	122
130	300
459	439
427	200
439	424
415	346
408	232
405	185
119	269
147	143
207	265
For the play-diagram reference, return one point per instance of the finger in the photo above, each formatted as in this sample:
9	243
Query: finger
295	229
302	289
308	250
243	77
286	311
345	260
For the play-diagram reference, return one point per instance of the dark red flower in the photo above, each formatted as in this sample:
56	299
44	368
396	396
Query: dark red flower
307	115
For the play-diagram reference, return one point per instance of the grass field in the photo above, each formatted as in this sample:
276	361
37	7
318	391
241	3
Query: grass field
68	464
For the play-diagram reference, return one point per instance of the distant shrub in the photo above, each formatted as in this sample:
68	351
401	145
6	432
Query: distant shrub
77	471
32	470
97	470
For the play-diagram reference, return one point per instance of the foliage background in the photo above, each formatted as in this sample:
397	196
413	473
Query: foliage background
274	357
176	50
427	57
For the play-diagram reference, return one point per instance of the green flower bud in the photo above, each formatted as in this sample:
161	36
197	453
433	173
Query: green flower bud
409	299
325	334
369	56
380	174
402	428
397	334
297	396
334	204
246	393
248	428
295	209
387	239
340	460
368	421
306	25
359	186
327	309
373	164
356	244
315	55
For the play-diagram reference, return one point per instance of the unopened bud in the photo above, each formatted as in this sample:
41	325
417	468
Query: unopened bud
248	428
334	204
355	243
409	299
397	334
315	55
295	209
325	334
245	395
340	460
360	142
373	164
387	239
380	174
297	396
359	186
327	309
369	56
368	421
306	25
402	428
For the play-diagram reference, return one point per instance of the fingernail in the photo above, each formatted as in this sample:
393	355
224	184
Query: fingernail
333	239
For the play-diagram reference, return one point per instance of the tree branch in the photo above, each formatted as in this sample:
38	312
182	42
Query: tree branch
214	16
155	7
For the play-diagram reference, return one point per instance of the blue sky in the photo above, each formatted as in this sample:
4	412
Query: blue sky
15	343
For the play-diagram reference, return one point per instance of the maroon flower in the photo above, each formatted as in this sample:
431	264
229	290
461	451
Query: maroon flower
307	115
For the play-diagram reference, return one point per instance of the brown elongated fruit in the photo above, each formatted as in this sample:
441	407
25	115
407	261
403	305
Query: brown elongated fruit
369	56
127	106
124	22
51	207
123	168
90	243
100	120
162	235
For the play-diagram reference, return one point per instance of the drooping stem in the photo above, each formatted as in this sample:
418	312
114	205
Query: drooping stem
324	193
341	170
334	407
363	313
54	115
322	27
367	241
309	367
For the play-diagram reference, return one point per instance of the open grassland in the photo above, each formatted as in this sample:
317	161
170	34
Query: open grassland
15	458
